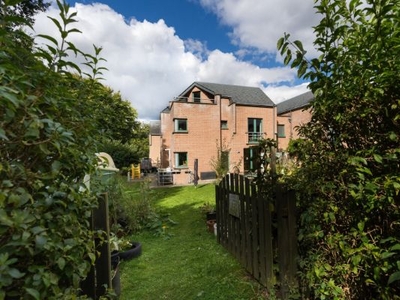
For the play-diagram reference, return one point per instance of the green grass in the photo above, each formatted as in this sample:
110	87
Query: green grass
186	263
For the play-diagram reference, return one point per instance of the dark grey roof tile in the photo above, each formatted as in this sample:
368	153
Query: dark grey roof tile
242	95
300	101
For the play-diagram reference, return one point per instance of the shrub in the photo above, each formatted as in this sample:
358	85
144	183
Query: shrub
349	177
124	155
47	146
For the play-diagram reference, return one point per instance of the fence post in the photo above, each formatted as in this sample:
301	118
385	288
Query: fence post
99	276
103	262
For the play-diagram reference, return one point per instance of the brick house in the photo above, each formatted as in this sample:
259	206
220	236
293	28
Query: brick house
290	114
207	118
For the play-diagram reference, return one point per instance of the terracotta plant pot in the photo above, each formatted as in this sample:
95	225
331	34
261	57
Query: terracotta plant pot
210	225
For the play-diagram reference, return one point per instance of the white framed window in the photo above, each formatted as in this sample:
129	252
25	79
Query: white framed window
181	125
181	159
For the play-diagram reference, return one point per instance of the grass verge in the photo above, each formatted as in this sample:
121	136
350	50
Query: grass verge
185	261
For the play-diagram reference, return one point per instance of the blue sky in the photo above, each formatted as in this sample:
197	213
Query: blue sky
156	48
188	17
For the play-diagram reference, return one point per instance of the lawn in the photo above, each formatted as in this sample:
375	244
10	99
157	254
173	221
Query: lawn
185	261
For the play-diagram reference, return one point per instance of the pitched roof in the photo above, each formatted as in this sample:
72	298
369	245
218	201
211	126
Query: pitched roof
243	95
295	103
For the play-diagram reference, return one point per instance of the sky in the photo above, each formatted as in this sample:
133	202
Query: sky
155	49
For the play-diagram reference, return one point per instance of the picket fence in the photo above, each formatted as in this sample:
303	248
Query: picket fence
259	232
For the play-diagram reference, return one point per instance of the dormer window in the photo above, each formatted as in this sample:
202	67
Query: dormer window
196	97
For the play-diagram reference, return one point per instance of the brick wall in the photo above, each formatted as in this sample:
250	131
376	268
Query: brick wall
291	120
205	136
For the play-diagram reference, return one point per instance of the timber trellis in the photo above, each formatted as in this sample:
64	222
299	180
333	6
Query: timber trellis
258	232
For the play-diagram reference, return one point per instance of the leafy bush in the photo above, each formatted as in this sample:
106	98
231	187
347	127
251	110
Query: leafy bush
349	177
132	208
47	145
123	155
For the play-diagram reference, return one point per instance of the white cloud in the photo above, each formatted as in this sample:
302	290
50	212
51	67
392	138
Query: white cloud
226	68
280	93
260	23
150	65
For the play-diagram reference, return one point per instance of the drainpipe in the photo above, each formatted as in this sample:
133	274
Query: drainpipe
234	116
273	151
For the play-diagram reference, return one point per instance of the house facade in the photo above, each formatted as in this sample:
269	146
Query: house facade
207	119
292	113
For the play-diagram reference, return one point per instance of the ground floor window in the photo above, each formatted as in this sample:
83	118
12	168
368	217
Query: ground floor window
181	159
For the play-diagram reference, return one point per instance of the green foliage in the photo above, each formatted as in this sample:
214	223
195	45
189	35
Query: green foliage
220	164
132	209
115	117
21	10
126	152
47	144
123	154
207	207
140	141
129	208
266	172
349	177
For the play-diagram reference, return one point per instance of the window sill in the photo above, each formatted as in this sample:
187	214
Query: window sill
180	132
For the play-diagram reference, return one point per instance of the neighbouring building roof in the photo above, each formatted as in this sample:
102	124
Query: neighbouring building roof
243	95
295	103
166	110
155	128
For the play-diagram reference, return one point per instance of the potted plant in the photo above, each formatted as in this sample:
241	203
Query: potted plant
209	210
211	215
124	249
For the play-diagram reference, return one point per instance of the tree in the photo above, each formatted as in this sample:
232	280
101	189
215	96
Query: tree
349	179
140	141
115	118
23	9
48	141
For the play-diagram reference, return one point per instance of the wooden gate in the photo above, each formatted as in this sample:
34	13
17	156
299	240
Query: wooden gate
259	232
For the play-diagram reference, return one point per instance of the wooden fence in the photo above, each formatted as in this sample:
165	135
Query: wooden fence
99	277
259	232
